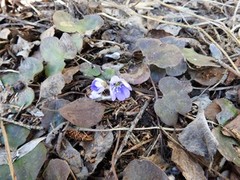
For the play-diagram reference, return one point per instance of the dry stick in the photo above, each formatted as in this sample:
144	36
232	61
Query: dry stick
21	124
135	147
133	124
24	21
7	148
113	169
127	129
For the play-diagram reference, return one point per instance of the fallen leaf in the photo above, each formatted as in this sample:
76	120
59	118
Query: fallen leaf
231	76
173	30
47	33
4	33
83	112
180	42
215	52
212	110
23	47
69	72
97	149
233	127
52	86
197	137
51	114
24	98
208	76
57	169
27	167
189	168
28	147
228	111
72	156
175	100
159	54
17	135
137	75
227	146
198	60
143	169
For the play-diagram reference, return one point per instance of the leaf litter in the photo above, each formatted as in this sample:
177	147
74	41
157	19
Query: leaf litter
116	83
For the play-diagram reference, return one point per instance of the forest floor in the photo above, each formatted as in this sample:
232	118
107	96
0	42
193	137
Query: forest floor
119	89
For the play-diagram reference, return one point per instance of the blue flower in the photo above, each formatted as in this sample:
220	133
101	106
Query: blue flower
119	89
98	86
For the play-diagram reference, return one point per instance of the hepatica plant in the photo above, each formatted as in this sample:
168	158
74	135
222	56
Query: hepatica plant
118	87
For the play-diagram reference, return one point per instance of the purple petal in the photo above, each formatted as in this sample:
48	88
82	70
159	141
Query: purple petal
125	83
126	92
120	96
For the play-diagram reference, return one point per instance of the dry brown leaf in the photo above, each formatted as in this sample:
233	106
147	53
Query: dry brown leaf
52	86
96	149
207	77
57	169
138	75
83	112
189	168
73	157
212	110
233	128
69	72
197	137
143	169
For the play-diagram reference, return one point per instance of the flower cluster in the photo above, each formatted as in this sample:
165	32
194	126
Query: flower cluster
118	87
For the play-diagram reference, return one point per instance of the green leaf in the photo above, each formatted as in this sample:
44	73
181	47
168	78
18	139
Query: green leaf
77	39
89	24
90	70
66	23
28	166
30	67
53	68
25	98
17	135
108	73
52	49
198	60
10	79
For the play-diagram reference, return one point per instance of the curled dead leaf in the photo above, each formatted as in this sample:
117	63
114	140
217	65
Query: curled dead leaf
137	75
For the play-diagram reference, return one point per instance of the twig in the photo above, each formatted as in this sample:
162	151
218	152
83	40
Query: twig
135	147
113	169
24	21
127	129
7	148
21	124
133	124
